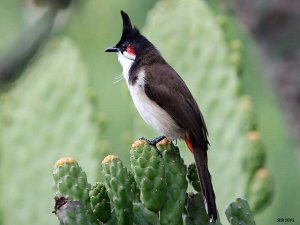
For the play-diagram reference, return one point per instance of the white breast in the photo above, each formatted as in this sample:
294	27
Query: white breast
152	113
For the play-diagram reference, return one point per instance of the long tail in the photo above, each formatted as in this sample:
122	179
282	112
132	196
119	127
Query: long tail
205	180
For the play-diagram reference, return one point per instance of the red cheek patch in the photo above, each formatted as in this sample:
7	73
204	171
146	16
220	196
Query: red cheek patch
130	49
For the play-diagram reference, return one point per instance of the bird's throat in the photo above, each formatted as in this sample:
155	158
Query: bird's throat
126	64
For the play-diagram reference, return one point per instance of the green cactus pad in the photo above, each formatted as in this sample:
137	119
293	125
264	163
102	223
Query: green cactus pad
143	216
100	202
171	212
45	116
149	173
261	190
239	213
70	181
193	178
118	189
72	212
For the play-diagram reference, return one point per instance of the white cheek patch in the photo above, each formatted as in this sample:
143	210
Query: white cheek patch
129	55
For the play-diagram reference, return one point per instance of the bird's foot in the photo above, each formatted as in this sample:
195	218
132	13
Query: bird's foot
154	141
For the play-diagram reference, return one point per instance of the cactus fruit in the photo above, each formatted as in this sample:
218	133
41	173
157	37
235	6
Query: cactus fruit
175	172
118	189
239	213
193	178
100	203
149	172
44	114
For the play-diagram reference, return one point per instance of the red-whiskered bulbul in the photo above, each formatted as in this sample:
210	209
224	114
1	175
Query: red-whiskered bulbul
164	101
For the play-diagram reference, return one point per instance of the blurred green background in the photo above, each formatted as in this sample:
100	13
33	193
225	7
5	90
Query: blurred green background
58	97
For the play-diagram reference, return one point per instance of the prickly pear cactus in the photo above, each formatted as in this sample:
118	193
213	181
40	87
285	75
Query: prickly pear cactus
195	211
171	212
70	180
149	172
144	216
72	193
260	191
71	212
255	154
112	204
192	176
45	116
134	188
100	202
239	213
210	65
118	189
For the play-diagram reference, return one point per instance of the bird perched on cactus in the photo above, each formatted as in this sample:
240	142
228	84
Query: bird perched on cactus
164	101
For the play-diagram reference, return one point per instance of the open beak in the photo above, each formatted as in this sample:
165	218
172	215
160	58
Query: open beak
111	49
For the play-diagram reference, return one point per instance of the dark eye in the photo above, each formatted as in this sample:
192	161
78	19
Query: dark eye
124	46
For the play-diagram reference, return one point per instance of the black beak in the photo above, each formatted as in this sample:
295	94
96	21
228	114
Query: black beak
111	49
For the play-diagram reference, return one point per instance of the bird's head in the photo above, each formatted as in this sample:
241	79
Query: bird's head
132	43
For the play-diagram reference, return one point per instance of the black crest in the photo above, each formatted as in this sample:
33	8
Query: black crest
130	35
127	26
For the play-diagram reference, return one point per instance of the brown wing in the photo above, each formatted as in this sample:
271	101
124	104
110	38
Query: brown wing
165	87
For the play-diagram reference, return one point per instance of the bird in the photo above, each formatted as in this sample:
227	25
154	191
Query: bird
164	101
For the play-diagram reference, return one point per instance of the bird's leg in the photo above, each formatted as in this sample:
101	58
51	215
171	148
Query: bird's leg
154	141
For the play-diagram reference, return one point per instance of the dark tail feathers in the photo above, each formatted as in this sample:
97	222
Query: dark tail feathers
205	181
